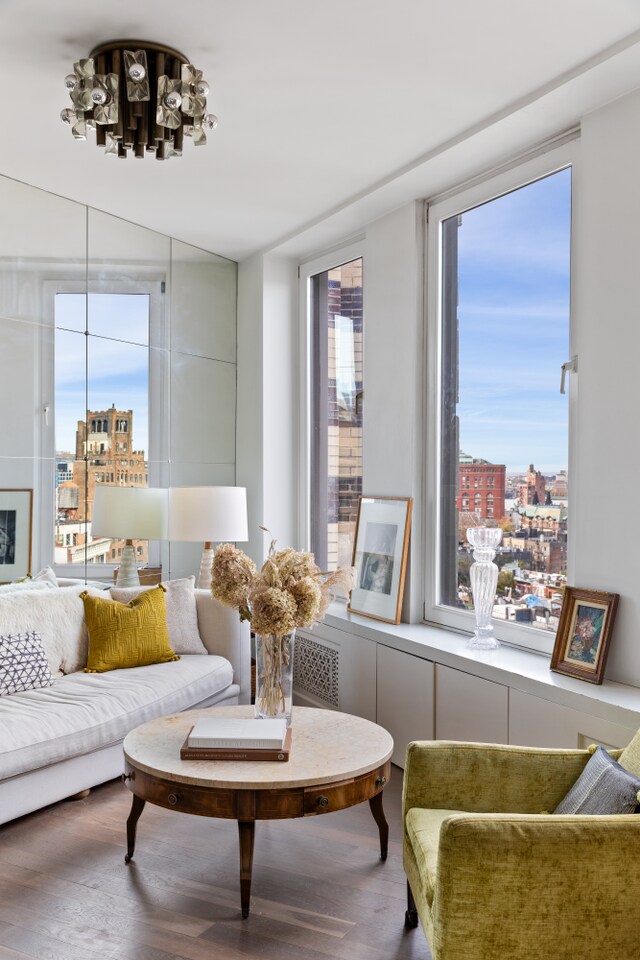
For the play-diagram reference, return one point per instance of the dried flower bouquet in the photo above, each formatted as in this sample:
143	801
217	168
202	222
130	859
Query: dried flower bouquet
289	591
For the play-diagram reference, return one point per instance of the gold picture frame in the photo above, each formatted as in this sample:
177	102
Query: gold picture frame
380	552
584	633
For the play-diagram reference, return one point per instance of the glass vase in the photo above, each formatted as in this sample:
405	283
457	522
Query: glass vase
484	580
274	675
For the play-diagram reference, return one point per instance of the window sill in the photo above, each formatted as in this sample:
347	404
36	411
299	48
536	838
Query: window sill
520	669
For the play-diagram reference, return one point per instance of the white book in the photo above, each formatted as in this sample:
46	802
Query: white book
222	732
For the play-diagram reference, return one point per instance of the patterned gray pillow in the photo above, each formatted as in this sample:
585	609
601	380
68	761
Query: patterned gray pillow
23	663
602	787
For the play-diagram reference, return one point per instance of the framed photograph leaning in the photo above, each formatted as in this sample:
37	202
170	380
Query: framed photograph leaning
16	507
380	557
584	633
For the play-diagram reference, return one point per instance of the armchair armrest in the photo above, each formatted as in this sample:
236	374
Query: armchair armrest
537	887
488	778
222	632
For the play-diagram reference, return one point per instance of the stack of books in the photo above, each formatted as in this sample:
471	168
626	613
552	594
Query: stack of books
224	738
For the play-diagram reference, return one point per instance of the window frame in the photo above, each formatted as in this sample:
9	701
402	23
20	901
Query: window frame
153	285
307	269
483	190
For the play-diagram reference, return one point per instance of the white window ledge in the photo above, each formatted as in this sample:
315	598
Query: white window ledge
511	666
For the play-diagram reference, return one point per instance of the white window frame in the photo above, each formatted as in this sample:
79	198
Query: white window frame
150	285
306	270
543	163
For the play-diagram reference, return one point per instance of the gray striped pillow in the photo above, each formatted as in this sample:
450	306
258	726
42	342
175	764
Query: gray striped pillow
602	787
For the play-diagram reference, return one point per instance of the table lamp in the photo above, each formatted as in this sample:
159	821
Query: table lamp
208	514
129	513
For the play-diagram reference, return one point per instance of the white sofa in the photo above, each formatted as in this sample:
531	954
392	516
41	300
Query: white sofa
59	740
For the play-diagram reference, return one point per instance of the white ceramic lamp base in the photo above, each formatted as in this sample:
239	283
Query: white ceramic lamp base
128	571
204	577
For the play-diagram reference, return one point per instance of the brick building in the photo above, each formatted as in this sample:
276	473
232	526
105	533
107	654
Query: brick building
533	490
481	488
344	437
104	455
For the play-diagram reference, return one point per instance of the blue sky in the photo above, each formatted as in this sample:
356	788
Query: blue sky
513	311
118	369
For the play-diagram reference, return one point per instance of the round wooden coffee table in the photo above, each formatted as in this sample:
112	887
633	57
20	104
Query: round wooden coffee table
336	761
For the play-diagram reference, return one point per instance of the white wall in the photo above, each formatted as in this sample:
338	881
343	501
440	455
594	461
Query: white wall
606	291
606	305
267	425
392	427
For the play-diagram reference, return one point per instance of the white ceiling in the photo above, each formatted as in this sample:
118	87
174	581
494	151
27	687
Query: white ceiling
319	104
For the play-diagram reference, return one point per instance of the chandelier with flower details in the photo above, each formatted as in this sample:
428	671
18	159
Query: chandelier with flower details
138	96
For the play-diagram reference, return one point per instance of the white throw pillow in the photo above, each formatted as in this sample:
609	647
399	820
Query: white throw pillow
21	585
47	575
58	617
182	613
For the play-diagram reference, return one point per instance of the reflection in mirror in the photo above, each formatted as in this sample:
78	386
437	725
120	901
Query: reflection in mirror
95	384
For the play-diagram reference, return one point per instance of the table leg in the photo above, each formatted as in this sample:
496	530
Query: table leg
246	829
136	809
375	803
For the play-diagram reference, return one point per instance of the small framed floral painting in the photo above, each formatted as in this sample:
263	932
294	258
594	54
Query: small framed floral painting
584	633
380	557
15	534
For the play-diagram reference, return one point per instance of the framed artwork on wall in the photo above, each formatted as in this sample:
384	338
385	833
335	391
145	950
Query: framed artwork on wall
584	633
380	557
16	510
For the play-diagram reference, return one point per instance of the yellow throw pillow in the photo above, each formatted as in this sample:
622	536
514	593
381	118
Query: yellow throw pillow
127	634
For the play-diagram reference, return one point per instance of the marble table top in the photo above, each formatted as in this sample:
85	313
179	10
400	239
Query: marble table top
326	747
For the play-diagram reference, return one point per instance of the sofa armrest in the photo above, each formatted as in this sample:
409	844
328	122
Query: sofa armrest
223	633
537	887
488	778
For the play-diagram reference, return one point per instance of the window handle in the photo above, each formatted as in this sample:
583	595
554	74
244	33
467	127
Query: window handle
45	412
571	366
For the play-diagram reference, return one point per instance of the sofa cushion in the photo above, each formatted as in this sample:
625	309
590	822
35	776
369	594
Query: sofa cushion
423	830
46	575
182	614
83	712
58	616
23	663
603	787
130	634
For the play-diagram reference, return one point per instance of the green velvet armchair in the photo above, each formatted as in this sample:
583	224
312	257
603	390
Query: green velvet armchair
491	876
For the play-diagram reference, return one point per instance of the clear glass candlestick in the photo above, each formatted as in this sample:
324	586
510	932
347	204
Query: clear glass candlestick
484	580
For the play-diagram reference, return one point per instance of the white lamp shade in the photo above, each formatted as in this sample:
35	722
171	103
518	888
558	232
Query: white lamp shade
208	514
129	513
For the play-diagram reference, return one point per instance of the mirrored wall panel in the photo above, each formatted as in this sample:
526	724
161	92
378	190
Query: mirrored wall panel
118	369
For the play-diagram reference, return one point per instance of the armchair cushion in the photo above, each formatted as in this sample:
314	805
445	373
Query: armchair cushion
630	756
602	787
423	832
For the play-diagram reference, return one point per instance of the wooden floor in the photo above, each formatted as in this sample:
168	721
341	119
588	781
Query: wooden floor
319	888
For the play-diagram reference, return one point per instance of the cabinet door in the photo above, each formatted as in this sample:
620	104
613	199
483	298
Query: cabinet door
335	669
534	722
405	698
470	708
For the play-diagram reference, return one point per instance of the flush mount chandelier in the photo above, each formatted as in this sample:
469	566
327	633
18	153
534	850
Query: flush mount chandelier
138	96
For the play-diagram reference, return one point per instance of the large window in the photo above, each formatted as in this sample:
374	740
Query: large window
335	297
501	265
102	414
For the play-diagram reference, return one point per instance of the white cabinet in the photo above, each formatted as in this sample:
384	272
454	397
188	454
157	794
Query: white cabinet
534	722
335	670
405	698
470	708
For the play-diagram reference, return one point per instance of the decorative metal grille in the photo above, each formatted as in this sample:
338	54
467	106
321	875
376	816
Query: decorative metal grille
316	669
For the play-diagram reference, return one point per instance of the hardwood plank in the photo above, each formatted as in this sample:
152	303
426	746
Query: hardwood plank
318	890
